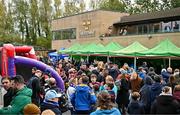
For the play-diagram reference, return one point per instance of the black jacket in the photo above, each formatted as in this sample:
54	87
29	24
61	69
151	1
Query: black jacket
165	104
9	96
52	106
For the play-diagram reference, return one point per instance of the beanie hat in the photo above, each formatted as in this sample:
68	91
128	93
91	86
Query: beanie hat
30	109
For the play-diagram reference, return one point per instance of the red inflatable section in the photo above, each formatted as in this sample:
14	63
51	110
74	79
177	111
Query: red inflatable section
8	52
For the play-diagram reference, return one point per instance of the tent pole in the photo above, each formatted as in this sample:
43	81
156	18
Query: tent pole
88	58
108	58
135	63
169	62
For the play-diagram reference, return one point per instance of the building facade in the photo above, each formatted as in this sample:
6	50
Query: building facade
101	26
83	28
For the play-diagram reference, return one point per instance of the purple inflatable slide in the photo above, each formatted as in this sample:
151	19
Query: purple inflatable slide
43	67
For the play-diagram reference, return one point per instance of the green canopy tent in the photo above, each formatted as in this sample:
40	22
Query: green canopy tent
164	49
112	46
71	49
131	51
90	49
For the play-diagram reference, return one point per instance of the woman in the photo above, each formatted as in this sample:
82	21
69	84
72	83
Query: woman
105	106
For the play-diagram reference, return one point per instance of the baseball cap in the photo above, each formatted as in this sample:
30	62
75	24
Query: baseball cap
52	94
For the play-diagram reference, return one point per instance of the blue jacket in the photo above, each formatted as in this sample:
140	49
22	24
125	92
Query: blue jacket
113	111
135	107
156	89
82	99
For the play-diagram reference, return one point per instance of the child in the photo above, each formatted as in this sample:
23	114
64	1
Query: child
94	84
135	106
109	88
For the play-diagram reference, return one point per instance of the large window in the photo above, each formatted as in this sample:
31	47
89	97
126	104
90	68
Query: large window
64	34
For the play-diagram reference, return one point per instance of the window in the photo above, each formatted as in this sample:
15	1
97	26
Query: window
64	34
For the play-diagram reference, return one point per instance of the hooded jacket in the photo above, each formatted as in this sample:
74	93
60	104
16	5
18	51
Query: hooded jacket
156	89
113	111
145	93
135	107
82	99
22	98
165	104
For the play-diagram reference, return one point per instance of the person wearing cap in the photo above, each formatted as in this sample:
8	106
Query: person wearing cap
20	100
165	103
51	102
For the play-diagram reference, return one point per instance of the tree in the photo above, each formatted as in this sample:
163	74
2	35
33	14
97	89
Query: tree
82	6
70	7
21	14
175	3
94	4
58	10
115	5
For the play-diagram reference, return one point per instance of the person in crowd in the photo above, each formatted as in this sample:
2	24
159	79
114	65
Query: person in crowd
8	96
34	71
109	79
151	72
169	72
52	85
177	76
141	72
176	93
135	82
48	112
71	89
145	66
145	94
83	98
135	106
34	84
31	109
93	79
21	99
109	88
51	102
71	73
113	70
156	88
84	69
165	103
123	92
172	82
105	106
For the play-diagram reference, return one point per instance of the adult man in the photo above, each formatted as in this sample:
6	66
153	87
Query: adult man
34	84
6	83
22	98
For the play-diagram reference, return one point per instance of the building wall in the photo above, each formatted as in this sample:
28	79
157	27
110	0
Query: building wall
97	22
145	40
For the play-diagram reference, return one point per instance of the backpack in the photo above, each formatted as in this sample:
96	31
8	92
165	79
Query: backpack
63	103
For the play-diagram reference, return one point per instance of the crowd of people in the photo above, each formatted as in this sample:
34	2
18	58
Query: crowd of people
95	89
